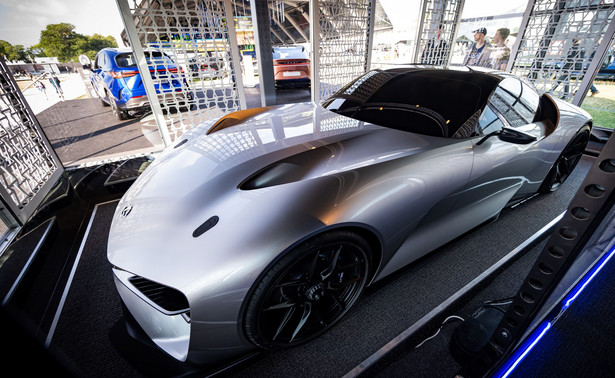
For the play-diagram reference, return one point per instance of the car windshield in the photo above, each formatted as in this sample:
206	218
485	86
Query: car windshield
289	52
127	59
434	102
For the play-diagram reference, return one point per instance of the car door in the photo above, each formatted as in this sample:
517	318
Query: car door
504	171
97	82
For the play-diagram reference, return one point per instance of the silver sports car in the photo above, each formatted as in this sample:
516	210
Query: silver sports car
262	228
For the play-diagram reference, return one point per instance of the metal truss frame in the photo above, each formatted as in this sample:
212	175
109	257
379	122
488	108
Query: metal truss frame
561	45
437	14
29	166
341	37
200	37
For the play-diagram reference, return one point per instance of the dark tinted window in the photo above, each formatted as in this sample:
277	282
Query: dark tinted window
125	60
516	101
425	101
156	57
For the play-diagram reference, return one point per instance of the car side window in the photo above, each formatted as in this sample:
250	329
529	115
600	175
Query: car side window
489	121
516	101
96	61
103	62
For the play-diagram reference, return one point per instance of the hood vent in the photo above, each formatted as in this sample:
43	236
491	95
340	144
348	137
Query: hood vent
210	223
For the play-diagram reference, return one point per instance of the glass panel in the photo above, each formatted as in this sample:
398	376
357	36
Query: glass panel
600	99
517	102
489	121
559	44
343	29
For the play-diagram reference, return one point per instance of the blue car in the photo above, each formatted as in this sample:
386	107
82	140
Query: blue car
117	82
607	70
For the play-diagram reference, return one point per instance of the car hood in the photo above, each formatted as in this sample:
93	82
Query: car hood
309	134
204	174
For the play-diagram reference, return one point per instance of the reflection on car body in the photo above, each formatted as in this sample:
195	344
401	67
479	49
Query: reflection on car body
262	228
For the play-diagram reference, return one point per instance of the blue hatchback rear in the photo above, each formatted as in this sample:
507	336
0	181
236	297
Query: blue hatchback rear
117	81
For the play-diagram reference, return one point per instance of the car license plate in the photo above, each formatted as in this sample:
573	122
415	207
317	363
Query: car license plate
291	73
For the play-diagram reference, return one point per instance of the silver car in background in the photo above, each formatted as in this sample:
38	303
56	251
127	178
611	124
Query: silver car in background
262	228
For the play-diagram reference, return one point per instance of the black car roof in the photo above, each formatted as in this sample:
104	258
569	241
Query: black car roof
452	95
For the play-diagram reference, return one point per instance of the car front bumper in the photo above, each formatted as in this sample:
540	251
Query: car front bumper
169	332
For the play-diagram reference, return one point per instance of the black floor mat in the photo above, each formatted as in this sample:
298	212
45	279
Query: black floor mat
91	306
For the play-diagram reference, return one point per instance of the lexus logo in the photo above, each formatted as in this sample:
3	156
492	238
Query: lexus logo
126	210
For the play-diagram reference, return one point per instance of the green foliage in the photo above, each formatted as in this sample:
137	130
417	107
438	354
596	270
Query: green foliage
62	41
17	52
602	108
91	45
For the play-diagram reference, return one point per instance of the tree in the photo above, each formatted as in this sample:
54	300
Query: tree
20	53
92	45
5	49
60	40
14	53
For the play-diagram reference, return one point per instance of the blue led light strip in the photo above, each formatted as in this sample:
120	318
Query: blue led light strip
587	279
542	329
525	349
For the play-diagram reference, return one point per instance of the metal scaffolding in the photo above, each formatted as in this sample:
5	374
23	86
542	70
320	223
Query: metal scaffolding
29	167
200	38
561	45
342	50
437	30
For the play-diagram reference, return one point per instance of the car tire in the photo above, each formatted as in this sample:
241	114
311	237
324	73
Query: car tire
307	291
102	100
566	162
117	112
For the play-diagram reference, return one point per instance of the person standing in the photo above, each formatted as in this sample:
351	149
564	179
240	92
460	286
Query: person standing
41	87
56	84
571	62
500	54
435	50
479	52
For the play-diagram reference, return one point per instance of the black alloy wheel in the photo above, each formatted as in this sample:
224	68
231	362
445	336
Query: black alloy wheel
308	290
566	162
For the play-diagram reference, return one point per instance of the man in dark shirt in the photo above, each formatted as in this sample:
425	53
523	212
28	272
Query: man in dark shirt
436	49
478	55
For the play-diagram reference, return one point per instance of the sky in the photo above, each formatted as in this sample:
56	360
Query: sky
21	21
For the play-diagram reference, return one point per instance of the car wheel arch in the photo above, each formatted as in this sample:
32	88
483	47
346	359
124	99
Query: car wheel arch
367	232
546	186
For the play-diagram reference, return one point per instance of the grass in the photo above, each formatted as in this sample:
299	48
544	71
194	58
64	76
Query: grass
602	105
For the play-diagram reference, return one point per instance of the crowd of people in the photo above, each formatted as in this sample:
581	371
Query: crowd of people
494	54
55	83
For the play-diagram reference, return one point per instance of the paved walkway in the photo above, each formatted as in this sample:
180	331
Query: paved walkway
82	131
72	86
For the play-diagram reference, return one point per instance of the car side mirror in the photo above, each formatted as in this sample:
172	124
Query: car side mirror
509	135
